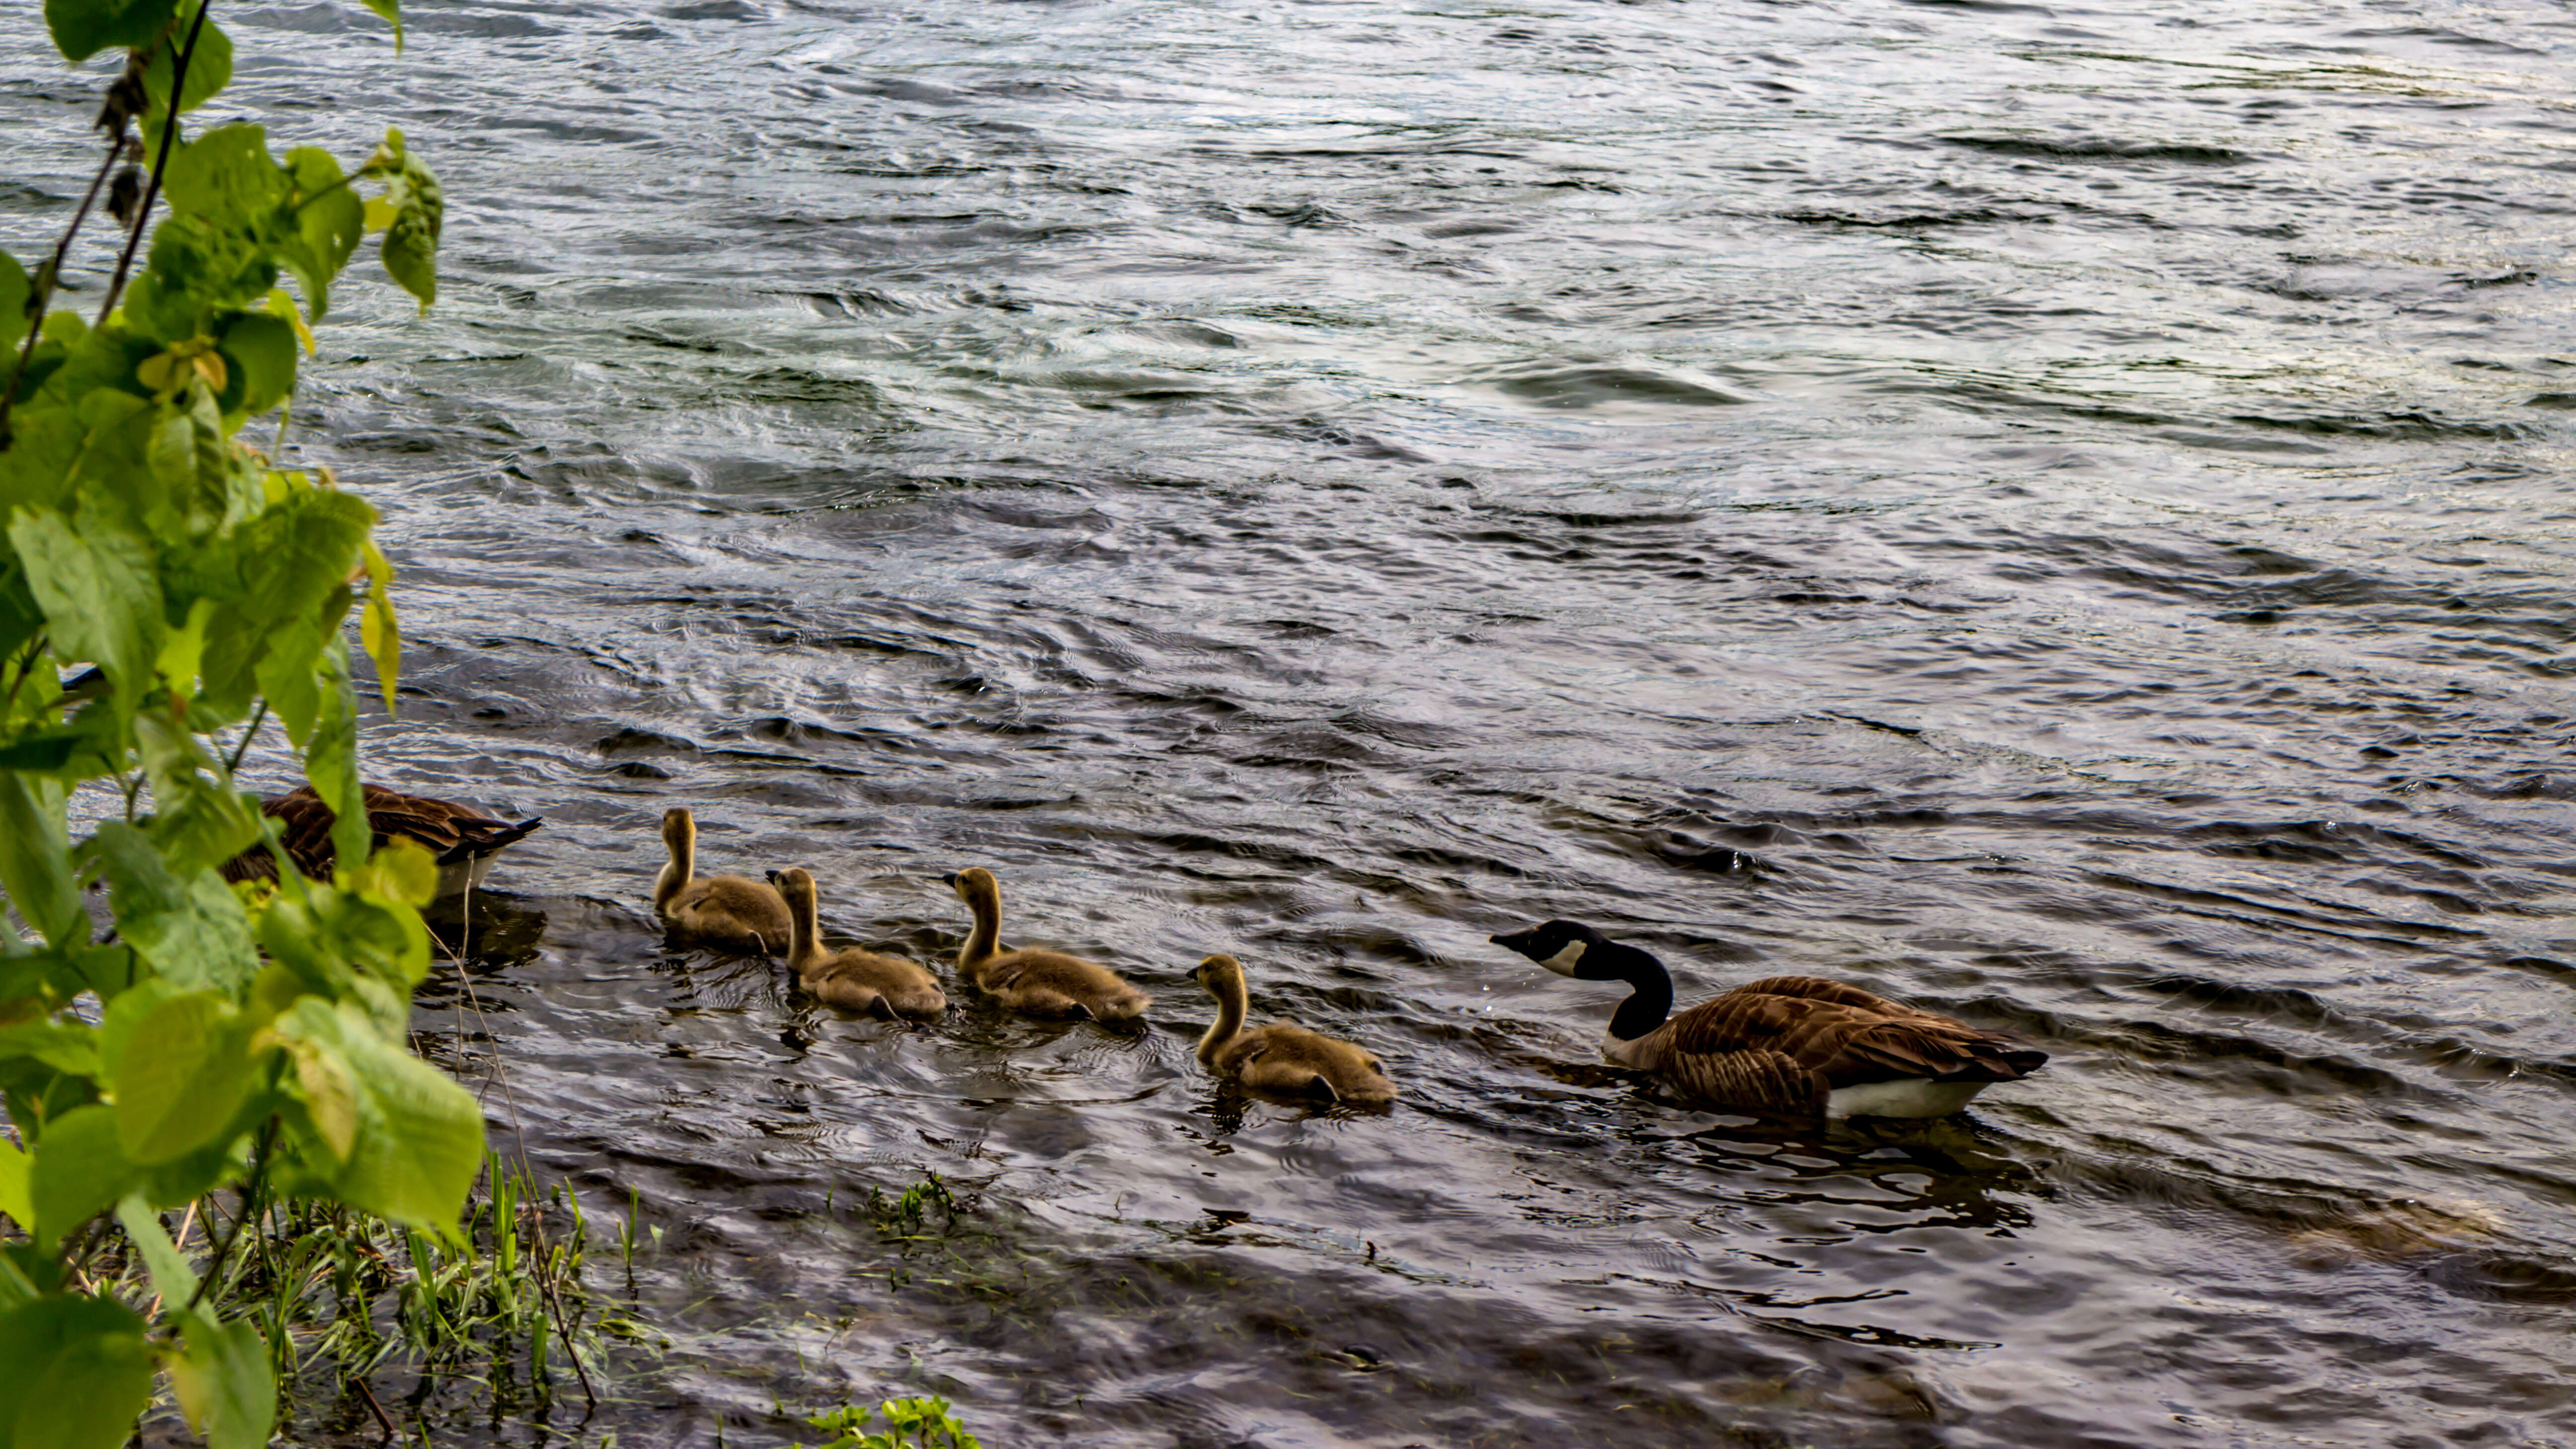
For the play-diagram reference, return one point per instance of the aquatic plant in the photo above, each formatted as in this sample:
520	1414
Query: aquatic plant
922	1423
164	583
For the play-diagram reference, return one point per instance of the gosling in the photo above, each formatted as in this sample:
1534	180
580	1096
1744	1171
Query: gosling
720	910
852	979
1035	982
1283	1059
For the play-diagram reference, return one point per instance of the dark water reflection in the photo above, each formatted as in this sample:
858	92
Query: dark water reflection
2061	513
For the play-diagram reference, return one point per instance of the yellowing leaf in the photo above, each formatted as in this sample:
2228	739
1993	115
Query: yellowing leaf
15	1204
402	871
377	627
282	305
329	1097
380	213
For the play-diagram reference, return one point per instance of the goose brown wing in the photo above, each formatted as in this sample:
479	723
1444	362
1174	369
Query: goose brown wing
1817	988
303	824
1748	1080
449	831
1848	1044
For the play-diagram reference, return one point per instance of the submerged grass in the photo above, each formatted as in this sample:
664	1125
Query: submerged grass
502	1314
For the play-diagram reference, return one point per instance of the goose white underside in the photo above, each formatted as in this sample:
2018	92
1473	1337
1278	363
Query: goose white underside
458	877
1905	1097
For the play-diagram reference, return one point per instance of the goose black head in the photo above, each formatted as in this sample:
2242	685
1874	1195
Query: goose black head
1560	946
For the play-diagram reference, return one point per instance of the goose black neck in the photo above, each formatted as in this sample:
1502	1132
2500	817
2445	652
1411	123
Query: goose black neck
1651	1002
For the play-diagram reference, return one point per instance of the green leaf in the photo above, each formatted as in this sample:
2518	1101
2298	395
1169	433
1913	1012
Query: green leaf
298	552
197	820
101	596
65	1047
285	674
392	11
210	69
224	1384
329	220
75	1372
80	1167
419	1137
172	1278
13	301
259	350
226	175
83	28
35	854
191	929
331	760
411	243
180	1065
15	1205
36	471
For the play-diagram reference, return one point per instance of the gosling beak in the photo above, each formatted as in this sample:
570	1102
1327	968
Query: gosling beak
949	880
773	877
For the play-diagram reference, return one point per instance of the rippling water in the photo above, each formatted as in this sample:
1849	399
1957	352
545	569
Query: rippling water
2061	513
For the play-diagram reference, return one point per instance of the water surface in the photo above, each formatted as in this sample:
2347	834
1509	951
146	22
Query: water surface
2060	513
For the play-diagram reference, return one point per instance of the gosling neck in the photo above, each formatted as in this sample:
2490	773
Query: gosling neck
984	942
676	872
1229	1018
803	948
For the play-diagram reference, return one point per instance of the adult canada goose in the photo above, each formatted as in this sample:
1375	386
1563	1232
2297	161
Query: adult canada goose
1041	983
461	838
722	910
1784	1045
852	979
1281	1058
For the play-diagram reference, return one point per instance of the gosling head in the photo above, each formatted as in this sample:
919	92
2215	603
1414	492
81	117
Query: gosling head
1560	947
679	829
1218	971
795	884
972	882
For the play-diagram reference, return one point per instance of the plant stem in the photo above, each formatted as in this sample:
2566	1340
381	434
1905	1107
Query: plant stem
242	1215
36	300
391	1433
160	163
258	717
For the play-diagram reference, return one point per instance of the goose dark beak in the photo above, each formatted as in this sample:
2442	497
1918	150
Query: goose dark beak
1520	941
773	877
949	880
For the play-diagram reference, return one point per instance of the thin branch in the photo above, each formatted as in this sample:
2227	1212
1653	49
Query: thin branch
160	163
241	1217
258	717
46	275
35	650
391	1433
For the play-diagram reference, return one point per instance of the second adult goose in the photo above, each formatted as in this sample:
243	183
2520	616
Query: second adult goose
1784	1045
721	910
461	838
1041	983
1280	1057
852	979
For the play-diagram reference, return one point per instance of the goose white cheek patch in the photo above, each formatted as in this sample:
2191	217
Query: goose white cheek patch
1562	963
